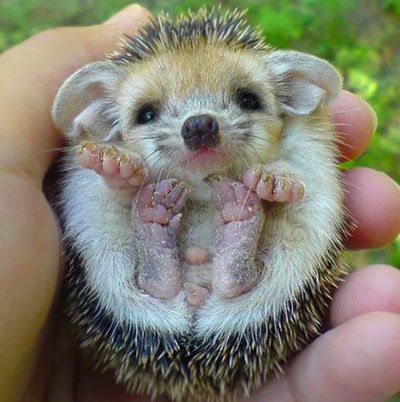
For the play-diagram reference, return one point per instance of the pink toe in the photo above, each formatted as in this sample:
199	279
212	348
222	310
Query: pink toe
251	178
241	193
99	170
174	225
146	196
161	215
110	166
147	214
282	195
158	215
173	196
224	185
165	187
264	190
136	180
127	170
87	160
180	202
297	193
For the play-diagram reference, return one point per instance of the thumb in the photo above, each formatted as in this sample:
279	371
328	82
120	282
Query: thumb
30	75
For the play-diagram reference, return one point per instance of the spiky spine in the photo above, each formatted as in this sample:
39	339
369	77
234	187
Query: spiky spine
186	368
210	26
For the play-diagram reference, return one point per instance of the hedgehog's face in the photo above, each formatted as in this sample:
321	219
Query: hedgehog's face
196	109
202	111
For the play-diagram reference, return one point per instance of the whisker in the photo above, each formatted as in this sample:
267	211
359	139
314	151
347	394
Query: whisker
266	140
60	149
357	109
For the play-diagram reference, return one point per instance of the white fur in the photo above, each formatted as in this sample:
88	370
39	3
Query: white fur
110	258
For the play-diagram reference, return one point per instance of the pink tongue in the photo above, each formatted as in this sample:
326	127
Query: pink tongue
204	148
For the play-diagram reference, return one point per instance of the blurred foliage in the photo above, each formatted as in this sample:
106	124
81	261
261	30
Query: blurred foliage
360	37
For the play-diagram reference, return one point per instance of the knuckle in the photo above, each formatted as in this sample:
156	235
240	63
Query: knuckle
53	35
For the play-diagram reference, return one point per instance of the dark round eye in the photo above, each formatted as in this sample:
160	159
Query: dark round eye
146	114
249	101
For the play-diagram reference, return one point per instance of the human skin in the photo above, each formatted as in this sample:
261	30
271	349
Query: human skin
356	359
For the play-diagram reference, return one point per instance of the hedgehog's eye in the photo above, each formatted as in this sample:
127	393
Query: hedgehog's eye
146	114
249	101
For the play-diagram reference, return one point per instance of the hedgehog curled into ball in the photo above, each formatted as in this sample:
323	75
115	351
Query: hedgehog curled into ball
201	205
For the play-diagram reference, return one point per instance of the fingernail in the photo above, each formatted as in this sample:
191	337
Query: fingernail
128	12
373	116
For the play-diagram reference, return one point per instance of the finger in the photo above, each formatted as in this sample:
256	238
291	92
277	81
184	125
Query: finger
374	288
29	246
373	200
31	74
355	121
357	361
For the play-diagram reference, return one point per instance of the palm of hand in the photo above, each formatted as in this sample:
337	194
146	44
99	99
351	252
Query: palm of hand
356	359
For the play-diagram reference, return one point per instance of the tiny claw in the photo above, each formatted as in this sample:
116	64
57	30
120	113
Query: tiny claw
122	159
110	153
85	146
182	184
189	189
212	178
267	178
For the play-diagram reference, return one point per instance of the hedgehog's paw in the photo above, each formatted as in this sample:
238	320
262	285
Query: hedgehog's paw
118	169
239	222
237	207
273	184
158	209
156	215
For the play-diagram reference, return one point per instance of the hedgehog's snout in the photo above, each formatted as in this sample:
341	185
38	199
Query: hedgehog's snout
200	131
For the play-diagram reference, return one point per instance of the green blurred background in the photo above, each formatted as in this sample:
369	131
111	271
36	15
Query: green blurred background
361	38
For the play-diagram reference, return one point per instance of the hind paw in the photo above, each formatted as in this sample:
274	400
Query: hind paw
158	209
238	207
239	223
156	218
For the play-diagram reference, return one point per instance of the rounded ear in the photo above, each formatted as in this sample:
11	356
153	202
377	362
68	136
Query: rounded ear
302	82
85	103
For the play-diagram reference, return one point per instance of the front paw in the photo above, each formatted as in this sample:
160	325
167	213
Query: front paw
119	169
274	184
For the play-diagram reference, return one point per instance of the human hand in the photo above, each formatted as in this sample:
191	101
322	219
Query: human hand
357	359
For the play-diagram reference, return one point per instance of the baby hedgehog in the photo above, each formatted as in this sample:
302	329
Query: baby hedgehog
201	204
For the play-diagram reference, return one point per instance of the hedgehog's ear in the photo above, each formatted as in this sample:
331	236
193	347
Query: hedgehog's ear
82	106
302	82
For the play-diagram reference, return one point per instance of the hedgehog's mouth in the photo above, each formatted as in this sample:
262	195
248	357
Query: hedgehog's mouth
204	158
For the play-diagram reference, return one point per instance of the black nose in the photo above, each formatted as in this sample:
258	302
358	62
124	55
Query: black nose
201	130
